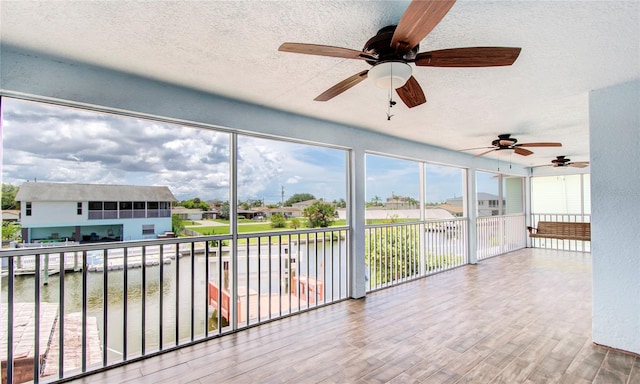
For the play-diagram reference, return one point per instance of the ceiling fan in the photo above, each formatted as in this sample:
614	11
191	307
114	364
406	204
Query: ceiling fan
392	49
562	161
505	141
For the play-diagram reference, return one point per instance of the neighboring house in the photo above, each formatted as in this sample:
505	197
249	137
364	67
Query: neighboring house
301	205
487	204
213	214
287	212
455	210
437	214
11	215
249	214
187	213
93	212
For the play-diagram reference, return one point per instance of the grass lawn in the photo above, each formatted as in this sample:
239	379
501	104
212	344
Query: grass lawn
252	226
248	226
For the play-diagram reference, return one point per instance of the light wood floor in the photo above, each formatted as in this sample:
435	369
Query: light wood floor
524	317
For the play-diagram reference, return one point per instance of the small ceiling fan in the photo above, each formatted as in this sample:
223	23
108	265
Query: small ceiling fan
505	141
562	161
392	49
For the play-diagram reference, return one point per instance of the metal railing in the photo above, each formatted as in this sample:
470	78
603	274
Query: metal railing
392	254
500	234
566	245
129	300
446	245
399	252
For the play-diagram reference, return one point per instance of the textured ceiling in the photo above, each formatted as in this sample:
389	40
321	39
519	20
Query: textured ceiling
231	49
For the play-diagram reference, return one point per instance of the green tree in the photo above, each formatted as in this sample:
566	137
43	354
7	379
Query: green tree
295	223
393	253
412	201
11	231
298	197
375	202
320	214
224	211
195	203
177	226
340	203
252	203
9	196
278	221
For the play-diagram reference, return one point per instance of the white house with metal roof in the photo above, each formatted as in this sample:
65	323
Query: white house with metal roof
52	212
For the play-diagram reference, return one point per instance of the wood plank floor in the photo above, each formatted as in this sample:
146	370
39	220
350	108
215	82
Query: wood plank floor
524	317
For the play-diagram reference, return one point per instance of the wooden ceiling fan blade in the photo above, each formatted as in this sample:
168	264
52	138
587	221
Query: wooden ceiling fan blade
411	93
324	50
539	145
469	57
417	21
579	164
472	149
342	86
522	151
484	153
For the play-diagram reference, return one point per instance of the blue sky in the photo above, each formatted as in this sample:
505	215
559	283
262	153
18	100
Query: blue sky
55	144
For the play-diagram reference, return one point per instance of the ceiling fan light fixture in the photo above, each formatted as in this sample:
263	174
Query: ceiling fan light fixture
392	74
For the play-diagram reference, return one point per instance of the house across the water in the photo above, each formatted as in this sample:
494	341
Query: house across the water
52	212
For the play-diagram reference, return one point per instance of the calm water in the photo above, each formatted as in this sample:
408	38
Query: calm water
143	311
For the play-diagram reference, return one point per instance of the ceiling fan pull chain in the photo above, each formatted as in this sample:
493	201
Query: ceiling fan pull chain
391	104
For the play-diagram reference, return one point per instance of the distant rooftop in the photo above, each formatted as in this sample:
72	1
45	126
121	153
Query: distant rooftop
37	191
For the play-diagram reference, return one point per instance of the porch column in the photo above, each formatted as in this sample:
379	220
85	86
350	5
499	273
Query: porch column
614	137
527	205
470	209
356	221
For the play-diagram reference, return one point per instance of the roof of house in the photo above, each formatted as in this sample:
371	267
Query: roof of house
451	208
305	203
486	196
37	191
479	196
179	209
10	214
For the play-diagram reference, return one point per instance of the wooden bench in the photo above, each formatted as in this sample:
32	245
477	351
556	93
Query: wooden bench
561	230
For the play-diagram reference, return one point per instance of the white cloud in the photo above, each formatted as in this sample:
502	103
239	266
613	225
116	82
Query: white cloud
294	180
50	143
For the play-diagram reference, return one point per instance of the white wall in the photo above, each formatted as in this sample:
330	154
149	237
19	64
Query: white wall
56	213
615	215
132	228
64	214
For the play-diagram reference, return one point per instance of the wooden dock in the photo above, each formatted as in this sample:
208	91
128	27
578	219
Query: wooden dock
24	353
265	305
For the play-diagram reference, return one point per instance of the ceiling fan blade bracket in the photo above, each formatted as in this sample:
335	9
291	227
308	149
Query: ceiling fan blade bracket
418	20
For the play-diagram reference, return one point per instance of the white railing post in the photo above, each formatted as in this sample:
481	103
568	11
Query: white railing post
233	228
471	212
422	239
356	221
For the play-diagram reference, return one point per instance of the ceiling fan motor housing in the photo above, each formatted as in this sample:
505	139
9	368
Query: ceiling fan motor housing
560	161
380	46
